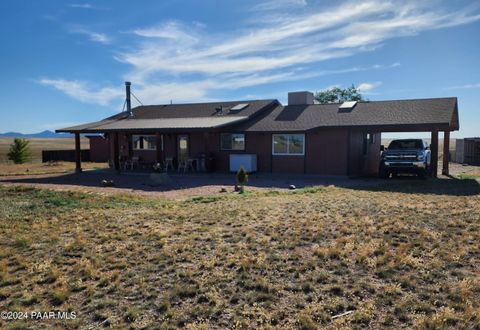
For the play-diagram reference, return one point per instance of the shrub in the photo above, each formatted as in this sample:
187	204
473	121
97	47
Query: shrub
19	151
306	323
242	177
59	296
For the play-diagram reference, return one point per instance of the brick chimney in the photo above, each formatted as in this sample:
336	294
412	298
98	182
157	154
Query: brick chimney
300	98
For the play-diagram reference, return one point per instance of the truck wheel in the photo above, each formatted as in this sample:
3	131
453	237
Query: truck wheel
422	174
384	174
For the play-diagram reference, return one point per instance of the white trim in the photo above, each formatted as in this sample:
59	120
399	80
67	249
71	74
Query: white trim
288	139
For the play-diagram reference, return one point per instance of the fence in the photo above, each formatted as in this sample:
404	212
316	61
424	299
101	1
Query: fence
64	155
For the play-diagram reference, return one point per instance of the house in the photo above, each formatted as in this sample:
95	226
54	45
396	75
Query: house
301	137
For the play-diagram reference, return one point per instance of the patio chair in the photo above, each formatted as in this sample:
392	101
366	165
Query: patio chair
168	163
183	165
134	161
123	162
190	163
131	163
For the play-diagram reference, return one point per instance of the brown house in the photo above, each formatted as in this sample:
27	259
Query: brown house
266	136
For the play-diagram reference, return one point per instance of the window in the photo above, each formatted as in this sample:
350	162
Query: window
144	142
232	141
288	144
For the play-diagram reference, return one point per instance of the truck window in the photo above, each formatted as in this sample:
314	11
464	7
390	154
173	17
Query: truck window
406	144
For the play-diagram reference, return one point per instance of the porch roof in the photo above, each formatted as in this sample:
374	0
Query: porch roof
131	124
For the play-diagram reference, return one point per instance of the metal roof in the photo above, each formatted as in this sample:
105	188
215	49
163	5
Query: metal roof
156	124
176	116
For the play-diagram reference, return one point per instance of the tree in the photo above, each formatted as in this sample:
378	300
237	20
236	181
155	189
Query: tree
338	95
19	151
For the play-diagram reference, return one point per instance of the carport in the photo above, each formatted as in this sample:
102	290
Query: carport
434	130
426	115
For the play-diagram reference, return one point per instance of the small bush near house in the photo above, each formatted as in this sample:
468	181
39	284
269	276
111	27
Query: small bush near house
242	178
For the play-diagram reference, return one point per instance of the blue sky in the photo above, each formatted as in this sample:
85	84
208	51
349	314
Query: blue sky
65	62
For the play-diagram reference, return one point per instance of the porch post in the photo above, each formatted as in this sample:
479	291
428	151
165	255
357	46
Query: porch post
434	155
78	155
446	152
158	140
208	165
116	153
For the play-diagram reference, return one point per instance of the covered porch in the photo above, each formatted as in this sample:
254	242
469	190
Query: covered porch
165	151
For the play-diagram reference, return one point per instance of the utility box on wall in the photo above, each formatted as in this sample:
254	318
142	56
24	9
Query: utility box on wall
248	161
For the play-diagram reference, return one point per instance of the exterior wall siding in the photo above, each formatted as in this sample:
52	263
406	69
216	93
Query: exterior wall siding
288	164
361	164
326	152
99	149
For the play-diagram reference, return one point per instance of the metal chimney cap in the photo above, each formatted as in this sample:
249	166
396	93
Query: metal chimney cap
127	83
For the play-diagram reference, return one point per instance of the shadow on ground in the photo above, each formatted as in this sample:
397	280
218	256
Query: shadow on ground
441	186
162	182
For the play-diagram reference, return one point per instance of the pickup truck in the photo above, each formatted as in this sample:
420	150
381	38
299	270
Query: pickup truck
405	156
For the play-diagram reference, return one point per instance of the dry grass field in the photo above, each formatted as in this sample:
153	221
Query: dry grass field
37	145
35	166
397	256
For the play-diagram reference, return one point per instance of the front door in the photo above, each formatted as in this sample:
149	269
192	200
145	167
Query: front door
182	148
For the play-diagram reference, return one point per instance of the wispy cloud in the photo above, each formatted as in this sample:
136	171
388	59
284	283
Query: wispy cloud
82	5
195	61
81	91
87	6
171	30
466	86
93	36
270	5
368	87
341	31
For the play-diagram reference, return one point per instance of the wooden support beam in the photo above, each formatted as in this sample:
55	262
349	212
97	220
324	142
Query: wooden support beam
446	152
158	141
207	165
116	152
129	145
434	155
78	154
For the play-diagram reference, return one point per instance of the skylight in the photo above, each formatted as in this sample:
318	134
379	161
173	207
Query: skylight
348	105
239	107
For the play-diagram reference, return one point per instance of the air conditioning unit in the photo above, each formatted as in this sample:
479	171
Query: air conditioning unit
248	161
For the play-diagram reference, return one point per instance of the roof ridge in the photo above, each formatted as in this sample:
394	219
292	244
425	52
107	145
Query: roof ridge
198	103
395	100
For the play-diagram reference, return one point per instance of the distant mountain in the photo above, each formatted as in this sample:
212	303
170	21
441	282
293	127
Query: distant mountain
43	135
